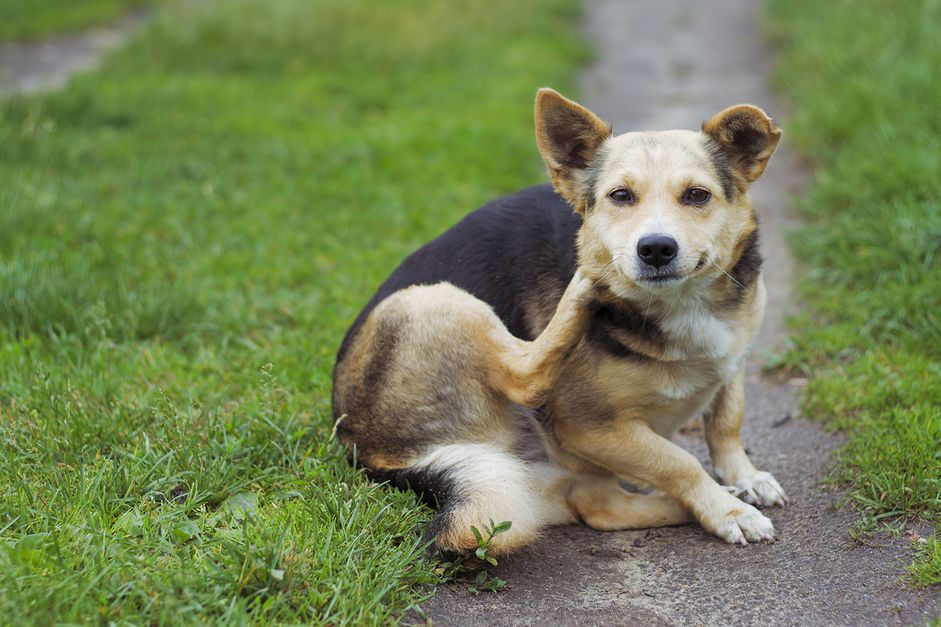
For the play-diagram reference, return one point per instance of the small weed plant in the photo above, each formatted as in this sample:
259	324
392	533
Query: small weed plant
472	569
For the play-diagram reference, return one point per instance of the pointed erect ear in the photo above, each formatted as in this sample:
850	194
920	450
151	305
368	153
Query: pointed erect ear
568	136
747	136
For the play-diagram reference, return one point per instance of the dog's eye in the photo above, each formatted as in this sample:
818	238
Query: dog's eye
696	196
622	196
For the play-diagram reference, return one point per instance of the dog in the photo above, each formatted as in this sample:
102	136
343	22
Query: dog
539	354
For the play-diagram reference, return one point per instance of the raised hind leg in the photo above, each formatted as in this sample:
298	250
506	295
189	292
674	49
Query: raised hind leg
526	370
429	388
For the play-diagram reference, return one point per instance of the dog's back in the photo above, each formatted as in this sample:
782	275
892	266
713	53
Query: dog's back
513	249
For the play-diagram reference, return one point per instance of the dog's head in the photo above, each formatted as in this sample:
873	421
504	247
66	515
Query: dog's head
660	209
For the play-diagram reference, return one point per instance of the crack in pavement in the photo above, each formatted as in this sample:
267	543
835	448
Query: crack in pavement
668	65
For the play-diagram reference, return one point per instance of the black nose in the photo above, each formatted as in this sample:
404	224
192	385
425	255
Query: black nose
657	250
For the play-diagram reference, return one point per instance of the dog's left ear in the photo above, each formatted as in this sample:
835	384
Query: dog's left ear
568	136
747	136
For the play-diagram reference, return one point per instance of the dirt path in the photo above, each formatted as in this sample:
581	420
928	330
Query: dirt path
27	67
670	65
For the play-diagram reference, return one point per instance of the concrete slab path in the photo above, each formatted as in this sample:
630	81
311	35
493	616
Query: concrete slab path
668	65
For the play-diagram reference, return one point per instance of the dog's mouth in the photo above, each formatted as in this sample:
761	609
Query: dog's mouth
646	276
661	279
665	276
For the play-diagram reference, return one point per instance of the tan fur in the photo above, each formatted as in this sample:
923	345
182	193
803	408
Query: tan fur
433	370
601	503
526	371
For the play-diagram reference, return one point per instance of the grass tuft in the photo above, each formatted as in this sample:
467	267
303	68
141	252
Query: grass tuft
926	570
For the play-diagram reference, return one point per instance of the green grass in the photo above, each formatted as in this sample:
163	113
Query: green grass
927	568
184	238
30	19
864	80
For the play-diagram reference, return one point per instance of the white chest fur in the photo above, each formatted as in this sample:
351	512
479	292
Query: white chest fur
705	352
695	332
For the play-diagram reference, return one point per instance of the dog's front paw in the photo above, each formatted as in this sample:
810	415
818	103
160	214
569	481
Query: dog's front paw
760	489
739	523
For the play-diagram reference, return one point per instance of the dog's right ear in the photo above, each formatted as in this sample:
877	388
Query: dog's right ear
568	136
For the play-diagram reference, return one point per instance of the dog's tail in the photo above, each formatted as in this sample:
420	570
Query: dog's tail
479	484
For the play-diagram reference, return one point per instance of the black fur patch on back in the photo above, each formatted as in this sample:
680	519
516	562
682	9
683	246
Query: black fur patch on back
723	167
502	253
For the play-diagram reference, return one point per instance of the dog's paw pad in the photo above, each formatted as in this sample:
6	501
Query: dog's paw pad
761	489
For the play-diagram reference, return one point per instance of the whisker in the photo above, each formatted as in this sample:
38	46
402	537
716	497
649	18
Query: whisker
609	268
608	273
727	274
